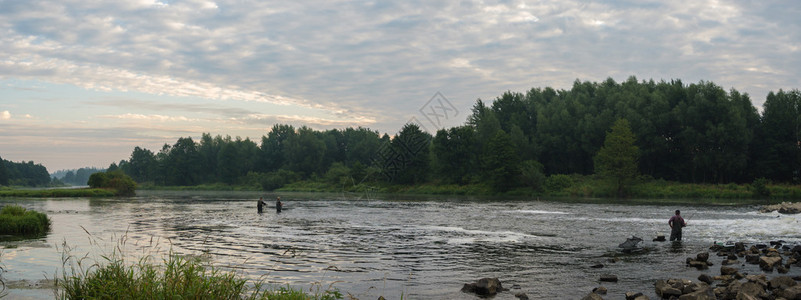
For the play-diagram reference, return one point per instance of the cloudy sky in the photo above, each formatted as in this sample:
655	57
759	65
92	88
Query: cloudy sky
82	82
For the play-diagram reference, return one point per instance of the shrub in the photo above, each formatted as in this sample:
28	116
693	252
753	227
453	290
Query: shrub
16	220
278	179
117	180
558	182
760	186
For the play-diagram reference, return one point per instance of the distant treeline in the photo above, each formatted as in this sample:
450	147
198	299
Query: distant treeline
76	177
696	133
23	174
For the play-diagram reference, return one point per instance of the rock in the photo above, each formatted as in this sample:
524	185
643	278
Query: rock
659	238
783	208
597	266
700	265
703	256
703	293
665	290
636	296
760	279
630	243
706	278
771	252
768	262
729	262
725	270
782	269
781	282
753	250
521	296
739	247
600	290
609	278
484	287
752	259
592	296
381	298
793	293
752	289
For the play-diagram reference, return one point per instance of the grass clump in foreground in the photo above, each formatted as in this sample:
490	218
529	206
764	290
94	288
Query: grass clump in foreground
16	220
177	277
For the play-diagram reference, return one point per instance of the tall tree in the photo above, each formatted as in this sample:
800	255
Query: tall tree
501	162
3	173
618	158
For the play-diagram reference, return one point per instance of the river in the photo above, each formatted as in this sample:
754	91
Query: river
395	246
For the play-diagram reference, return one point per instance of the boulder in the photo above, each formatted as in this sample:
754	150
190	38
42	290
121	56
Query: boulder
597	266
760	279
484	287
752	289
521	296
659	238
783	208
703	256
752	258
792	293
703	293
608	278
700	265
635	296
729	262
666	290
592	296
600	290
706	278
782	269
726	270
767	263
781	282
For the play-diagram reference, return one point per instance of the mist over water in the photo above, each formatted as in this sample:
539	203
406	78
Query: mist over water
415	248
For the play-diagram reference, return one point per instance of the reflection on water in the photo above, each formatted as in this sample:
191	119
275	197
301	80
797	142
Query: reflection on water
418	248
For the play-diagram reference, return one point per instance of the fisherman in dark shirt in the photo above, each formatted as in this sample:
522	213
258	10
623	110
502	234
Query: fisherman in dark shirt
676	222
278	204
260	205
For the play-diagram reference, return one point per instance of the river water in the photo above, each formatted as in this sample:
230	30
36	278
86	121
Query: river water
415	248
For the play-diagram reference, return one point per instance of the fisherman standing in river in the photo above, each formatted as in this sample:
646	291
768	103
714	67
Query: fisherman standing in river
676	222
278	205
260	205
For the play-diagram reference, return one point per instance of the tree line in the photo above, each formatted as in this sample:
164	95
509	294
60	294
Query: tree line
23	174
696	133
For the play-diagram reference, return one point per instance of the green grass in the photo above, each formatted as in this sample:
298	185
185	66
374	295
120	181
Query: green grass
174	277
16	220
57	193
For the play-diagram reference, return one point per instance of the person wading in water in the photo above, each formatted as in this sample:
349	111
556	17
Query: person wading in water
260	205
676	222
278	204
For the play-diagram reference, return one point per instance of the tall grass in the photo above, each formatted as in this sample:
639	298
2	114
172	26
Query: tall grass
16	220
174	277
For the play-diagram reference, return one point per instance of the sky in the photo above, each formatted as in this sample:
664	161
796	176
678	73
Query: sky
84	82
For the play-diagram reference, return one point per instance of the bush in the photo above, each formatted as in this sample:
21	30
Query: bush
558	182
277	179
16	220
760	186
117	180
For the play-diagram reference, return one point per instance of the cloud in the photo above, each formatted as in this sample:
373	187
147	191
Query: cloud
5	115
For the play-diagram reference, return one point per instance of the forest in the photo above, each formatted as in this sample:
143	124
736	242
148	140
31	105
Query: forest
23	174
689	133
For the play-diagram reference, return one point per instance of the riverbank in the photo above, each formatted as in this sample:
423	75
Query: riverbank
557	186
57	193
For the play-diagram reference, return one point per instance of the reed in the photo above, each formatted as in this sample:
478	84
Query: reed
16	220
174	277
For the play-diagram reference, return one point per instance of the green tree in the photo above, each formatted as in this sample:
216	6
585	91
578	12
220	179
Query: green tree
3	173
117	180
778	153
617	160
501	162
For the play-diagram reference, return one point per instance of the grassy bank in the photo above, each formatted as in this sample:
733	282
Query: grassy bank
16	220
572	186
56	193
176	277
